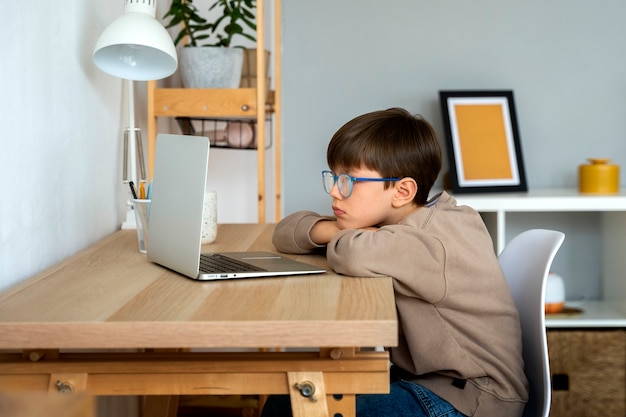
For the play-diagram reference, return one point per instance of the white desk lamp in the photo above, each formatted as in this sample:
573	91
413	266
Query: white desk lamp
136	47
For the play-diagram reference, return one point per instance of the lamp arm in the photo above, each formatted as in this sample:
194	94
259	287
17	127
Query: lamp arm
132	142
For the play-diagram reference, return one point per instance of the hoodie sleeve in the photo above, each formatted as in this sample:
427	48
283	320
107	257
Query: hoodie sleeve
291	235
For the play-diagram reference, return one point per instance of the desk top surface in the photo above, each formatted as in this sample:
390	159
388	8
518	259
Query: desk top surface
110	296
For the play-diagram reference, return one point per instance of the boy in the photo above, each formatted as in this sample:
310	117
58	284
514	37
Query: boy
459	351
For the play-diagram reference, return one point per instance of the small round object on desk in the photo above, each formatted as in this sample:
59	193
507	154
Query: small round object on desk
598	177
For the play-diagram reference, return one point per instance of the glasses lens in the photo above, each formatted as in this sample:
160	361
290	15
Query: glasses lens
328	179
344	183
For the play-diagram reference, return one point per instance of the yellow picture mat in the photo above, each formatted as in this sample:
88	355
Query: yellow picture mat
483	142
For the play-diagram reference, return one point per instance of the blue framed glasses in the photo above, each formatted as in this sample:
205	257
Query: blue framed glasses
345	182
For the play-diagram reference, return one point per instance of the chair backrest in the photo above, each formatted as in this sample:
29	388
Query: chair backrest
526	262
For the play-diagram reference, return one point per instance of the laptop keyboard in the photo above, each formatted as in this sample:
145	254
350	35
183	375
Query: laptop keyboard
217	263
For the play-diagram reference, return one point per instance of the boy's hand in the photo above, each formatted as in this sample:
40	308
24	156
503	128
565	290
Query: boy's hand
323	231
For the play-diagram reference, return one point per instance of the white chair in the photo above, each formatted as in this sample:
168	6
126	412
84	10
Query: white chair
526	262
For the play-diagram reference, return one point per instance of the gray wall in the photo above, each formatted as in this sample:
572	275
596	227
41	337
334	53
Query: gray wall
565	60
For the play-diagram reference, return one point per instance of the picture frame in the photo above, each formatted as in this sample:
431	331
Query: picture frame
482	140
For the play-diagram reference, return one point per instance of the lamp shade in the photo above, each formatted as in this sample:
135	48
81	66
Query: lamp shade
136	46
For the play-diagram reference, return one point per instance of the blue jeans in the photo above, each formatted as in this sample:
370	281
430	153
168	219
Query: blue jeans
405	399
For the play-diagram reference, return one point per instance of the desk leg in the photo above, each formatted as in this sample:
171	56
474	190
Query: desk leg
343	405
160	406
301	384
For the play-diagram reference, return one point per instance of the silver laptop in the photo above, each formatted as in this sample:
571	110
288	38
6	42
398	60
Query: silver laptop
175	224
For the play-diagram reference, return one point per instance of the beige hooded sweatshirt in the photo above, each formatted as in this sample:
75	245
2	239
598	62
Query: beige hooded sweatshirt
459	331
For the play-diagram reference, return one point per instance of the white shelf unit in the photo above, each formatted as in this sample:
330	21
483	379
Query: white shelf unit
499	211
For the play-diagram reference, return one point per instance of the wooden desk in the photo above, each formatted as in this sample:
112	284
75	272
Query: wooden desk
59	329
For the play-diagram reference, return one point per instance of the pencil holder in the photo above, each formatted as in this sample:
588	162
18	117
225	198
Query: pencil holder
142	215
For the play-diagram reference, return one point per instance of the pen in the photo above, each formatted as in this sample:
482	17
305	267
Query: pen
132	189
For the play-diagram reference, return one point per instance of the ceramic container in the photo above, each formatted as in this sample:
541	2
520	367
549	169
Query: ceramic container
598	177
210	67
209	218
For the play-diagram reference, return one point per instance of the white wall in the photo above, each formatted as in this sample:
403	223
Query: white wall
60	153
60	118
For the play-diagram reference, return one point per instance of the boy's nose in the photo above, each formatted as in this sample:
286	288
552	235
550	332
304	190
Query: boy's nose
334	192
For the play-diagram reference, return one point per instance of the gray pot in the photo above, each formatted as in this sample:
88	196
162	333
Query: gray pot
210	67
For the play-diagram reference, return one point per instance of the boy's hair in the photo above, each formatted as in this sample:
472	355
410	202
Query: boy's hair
392	142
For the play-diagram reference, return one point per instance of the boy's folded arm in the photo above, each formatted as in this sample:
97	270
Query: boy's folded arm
292	234
323	231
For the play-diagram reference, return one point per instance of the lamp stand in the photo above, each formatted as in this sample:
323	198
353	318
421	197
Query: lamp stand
130	155
135	46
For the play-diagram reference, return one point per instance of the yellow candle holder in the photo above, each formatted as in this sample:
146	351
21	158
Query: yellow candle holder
598	177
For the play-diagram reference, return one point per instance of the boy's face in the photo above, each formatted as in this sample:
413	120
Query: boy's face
370	204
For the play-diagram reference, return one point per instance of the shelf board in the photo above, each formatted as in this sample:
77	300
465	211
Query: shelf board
214	102
544	200
595	314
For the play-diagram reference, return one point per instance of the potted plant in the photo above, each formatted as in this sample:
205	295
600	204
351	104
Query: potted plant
209	58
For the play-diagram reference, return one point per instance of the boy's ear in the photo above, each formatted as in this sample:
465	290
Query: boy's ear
406	188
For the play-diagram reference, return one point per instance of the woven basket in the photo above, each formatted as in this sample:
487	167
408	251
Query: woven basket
588	372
